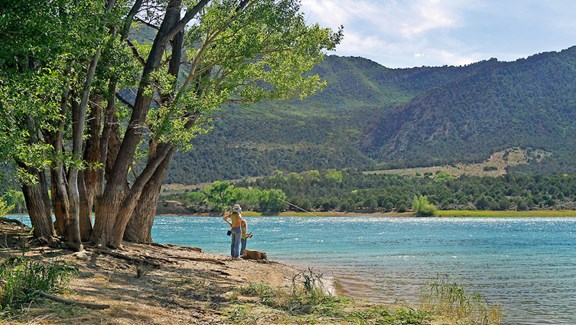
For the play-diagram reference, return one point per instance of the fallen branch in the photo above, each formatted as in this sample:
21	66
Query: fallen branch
89	305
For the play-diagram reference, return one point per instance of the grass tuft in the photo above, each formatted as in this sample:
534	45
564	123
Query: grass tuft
21	279
453	303
306	301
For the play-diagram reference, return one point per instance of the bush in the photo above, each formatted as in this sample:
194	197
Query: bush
22	279
422	207
5	208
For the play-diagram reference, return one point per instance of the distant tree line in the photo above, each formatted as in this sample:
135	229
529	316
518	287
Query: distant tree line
355	191
220	195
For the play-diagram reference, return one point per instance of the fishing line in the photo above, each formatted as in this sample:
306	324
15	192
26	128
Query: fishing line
297	207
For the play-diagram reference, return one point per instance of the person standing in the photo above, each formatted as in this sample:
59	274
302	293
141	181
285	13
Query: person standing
234	220
245	236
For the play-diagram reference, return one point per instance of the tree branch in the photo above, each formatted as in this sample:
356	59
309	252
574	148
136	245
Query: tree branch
135	52
140	20
130	17
191	13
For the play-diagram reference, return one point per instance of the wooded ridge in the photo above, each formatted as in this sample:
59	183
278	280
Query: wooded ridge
372	117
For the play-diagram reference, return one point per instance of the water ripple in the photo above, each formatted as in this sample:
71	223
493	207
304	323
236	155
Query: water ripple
528	265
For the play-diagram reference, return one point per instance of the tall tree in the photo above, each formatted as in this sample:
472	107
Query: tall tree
204	54
47	70
241	51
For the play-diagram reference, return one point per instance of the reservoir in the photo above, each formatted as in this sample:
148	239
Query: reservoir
526	265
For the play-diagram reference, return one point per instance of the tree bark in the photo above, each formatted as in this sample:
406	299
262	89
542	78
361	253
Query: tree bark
127	209
112	201
38	204
110	145
86	192
60	201
139	228
88	178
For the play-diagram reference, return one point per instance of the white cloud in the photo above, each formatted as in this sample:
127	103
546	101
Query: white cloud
426	15
326	12
451	58
385	28
387	16
405	33
353	41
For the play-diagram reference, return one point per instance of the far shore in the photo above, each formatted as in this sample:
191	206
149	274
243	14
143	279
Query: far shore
439	213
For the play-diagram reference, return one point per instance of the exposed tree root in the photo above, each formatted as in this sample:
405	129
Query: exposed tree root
137	260
89	305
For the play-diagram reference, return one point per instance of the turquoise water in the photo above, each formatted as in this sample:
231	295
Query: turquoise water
526	265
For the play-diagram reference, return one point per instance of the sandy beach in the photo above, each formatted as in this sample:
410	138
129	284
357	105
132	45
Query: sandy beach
177	285
172	284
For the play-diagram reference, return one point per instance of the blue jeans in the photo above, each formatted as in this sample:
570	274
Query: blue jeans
243	246
235	246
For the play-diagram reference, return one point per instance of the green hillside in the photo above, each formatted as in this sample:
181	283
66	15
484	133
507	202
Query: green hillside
526	103
370	117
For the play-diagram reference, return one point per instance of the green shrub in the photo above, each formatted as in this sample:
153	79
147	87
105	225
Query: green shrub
5	208
422	207
22	279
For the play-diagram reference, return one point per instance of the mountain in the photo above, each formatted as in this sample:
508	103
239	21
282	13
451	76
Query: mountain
370	116
526	103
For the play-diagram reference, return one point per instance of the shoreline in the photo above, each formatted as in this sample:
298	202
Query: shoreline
439	214
172	284
335	214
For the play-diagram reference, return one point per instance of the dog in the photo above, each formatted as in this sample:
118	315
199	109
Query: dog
254	255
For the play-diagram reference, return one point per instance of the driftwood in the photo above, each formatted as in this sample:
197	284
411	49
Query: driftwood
89	305
158	245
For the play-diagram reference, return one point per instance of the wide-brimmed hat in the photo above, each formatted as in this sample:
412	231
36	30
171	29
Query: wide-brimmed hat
236	208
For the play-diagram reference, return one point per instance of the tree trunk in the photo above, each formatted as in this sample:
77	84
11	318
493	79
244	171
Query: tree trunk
87	192
139	228
115	202
127	209
58	186
38	204
88	178
60	201
106	212
108	202
116	206
79	119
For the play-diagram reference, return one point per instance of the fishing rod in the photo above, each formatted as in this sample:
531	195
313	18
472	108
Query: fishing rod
250	233
299	208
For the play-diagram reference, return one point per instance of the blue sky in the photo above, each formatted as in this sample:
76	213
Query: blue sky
413	33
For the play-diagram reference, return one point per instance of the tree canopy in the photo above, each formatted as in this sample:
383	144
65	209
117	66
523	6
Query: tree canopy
72	130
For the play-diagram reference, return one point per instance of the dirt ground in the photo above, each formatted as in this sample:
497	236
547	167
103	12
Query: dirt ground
144	283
